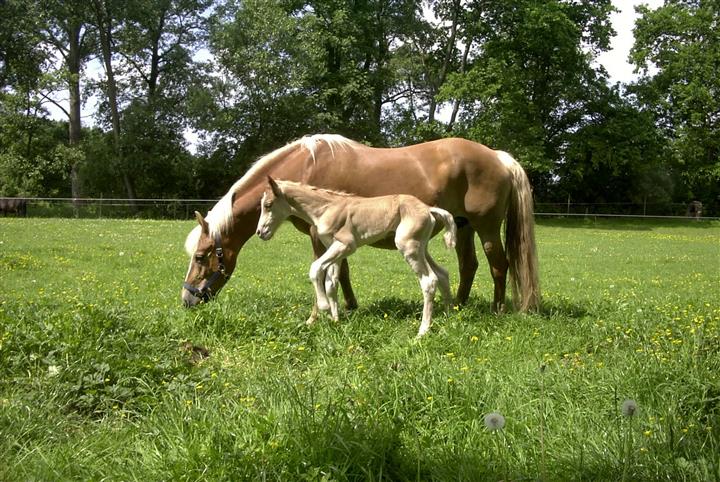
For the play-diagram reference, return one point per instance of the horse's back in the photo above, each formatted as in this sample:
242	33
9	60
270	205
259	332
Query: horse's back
440	172
468	178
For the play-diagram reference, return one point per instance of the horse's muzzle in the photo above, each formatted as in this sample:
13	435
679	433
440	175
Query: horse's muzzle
189	299
264	234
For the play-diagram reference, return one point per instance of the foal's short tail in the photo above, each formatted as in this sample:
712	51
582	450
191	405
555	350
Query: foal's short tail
446	218
520	239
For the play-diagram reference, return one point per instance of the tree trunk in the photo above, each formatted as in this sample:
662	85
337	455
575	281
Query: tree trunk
446	61
104	24
73	61
463	67
155	58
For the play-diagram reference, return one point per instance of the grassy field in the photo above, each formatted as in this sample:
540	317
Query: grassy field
102	375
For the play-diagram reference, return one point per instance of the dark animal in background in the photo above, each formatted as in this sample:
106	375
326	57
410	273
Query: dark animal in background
694	210
13	205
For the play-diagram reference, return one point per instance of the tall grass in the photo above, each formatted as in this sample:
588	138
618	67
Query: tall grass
103	375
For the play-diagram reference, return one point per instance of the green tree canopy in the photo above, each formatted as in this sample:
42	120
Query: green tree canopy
677	46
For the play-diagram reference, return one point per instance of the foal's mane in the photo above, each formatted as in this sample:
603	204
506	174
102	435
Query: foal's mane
319	190
220	217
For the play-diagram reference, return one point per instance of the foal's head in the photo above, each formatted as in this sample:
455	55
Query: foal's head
207	273
274	209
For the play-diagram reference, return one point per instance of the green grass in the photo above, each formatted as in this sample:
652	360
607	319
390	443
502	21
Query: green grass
96	381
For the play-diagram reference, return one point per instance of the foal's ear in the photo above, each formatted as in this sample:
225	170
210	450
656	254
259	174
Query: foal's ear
205	228
275	188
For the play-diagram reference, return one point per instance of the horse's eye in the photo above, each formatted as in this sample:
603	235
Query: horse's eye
268	205
199	258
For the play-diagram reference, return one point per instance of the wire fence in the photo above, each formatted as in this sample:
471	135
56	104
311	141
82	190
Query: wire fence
116	207
692	210
184	209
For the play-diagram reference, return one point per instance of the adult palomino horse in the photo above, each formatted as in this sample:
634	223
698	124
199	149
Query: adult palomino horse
344	222
481	187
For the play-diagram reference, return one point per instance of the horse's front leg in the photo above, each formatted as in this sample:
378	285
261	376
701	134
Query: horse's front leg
350	300
467	260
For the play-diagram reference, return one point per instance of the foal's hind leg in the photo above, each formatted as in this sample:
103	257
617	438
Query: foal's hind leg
416	256
443	281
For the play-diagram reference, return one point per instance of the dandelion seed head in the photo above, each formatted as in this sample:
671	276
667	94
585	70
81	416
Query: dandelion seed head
494	421
629	408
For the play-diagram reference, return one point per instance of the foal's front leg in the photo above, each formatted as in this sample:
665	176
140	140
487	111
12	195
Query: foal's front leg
318	271
331	289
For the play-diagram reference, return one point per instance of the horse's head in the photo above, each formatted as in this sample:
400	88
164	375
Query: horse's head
274	209
207	273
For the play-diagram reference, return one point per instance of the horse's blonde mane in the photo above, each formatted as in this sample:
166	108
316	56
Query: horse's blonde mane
220	217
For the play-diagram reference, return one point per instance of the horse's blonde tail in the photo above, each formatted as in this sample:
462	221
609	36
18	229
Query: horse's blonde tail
520	239
446	218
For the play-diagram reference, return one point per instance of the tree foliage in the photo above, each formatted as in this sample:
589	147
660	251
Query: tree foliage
681	40
247	76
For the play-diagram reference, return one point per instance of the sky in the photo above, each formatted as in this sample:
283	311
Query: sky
615	60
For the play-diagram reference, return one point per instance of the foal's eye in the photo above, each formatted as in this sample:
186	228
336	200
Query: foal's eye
268	205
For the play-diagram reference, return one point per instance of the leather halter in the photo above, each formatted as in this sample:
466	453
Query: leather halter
205	291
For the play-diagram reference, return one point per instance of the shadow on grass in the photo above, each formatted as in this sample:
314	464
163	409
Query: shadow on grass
481	307
394	307
563	308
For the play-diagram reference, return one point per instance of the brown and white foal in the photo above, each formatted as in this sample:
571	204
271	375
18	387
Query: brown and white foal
345	222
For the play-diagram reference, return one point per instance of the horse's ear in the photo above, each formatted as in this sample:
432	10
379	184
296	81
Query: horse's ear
275	188
203	224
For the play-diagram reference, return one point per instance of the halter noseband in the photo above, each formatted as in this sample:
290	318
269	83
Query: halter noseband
205	292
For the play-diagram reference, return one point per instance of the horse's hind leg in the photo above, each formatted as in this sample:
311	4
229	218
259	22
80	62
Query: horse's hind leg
467	259
495	253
